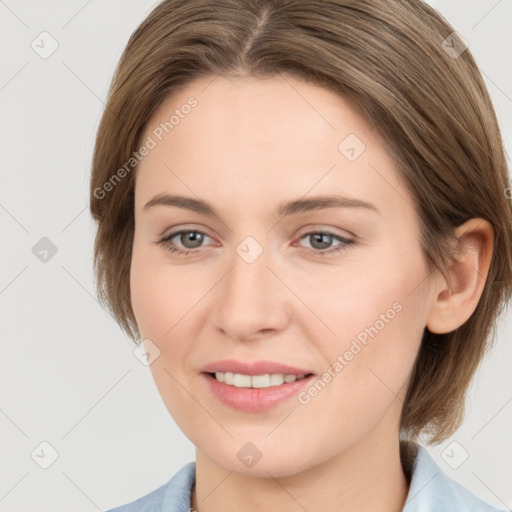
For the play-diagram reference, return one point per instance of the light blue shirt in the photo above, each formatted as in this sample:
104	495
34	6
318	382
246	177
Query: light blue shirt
431	490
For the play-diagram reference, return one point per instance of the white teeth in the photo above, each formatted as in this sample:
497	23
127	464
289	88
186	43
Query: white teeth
242	381
260	381
276	379
267	380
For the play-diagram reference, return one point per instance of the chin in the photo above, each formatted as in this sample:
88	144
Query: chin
262	459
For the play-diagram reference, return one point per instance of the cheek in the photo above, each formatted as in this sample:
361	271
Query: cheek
368	364
160	301
161	293
374	295
375	317
150	300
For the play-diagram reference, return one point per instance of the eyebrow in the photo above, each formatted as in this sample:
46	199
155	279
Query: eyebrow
285	209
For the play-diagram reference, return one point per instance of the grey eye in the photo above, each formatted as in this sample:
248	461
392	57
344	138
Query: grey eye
191	239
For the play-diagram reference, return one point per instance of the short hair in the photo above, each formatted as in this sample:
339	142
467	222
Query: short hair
405	70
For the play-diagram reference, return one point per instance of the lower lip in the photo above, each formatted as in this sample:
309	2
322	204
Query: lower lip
255	399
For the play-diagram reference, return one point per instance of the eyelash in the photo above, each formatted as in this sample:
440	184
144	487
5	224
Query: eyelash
346	242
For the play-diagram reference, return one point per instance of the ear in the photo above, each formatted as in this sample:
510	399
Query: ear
457	297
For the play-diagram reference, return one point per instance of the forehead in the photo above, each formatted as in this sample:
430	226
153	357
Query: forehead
246	113
259	137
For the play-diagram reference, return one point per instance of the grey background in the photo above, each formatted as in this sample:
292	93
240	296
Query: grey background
68	375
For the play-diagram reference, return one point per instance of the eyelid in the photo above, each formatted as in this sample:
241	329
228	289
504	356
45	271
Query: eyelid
184	227
322	228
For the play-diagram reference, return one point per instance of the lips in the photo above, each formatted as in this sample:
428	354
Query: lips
254	368
254	400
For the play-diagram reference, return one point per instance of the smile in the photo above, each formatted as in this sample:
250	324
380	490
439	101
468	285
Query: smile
266	380
244	395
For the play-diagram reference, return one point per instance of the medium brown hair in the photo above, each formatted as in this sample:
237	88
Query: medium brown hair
392	60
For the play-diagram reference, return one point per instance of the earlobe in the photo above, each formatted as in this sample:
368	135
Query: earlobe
457	296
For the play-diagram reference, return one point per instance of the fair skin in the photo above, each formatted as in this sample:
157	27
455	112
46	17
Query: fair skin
249	145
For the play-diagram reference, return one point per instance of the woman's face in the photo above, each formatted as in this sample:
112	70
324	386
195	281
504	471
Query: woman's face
340	292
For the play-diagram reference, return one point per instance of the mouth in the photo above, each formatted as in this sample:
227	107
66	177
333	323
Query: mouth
266	380
255	399
255	386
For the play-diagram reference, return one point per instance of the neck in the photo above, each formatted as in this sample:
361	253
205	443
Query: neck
368	476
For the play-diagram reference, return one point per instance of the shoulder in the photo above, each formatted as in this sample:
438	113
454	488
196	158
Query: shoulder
173	496
432	490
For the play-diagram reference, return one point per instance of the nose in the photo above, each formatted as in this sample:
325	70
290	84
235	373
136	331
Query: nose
252	300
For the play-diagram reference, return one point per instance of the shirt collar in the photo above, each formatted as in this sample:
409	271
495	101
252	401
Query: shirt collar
430	489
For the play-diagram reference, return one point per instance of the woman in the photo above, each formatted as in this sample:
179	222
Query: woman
302	216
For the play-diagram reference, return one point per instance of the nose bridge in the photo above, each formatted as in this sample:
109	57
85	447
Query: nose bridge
252	298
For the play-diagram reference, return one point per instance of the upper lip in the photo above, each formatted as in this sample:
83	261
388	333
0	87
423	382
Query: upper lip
253	367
